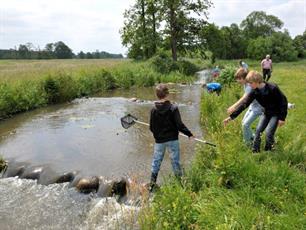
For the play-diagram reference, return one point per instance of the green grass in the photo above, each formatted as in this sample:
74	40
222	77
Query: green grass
228	187
30	84
16	70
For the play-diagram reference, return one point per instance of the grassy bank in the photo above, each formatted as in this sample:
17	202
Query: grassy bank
30	84
228	187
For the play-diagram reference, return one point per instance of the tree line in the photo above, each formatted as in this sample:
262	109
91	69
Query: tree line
181	27
57	50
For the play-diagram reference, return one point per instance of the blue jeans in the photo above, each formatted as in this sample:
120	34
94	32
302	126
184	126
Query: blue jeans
249	117
269	124
159	152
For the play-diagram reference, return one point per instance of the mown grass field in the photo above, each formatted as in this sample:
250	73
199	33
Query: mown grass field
229	187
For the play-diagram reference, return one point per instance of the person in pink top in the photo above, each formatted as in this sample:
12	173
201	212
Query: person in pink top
266	66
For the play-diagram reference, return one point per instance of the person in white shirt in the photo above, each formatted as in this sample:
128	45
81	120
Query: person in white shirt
266	66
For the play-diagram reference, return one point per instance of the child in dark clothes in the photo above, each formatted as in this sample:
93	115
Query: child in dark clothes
165	124
274	102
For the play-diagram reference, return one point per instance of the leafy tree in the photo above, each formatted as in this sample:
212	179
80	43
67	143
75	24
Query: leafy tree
225	43
23	52
62	51
212	40
184	19
258	23
139	32
299	43
49	51
282	47
234	43
49	47
30	46
81	55
279	45
259	47
238	42
96	54
89	55
153	20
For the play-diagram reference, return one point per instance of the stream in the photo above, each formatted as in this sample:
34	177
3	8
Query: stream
86	136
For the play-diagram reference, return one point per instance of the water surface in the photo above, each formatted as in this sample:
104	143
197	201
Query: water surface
86	135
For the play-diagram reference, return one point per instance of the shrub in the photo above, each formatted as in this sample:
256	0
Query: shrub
187	68
108	81
21	96
51	87
172	209
124	78
7	103
145	77
60	88
227	75
163	63
29	95
90	83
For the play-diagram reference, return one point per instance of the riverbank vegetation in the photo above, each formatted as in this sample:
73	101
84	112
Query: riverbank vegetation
229	187
26	85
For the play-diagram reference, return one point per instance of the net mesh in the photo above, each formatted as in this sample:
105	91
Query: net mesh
127	121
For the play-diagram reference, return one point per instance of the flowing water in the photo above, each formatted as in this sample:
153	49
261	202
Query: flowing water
86	135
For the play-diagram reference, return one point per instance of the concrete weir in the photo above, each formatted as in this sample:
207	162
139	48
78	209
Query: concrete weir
84	184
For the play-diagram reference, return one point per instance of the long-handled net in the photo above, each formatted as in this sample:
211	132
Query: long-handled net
128	120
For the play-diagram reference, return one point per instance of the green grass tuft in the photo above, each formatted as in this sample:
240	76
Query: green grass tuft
229	187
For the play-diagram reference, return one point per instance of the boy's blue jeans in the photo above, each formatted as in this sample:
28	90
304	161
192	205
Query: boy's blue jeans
269	124
159	152
249	117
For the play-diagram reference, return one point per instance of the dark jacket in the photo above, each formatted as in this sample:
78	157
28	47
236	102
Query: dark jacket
270	97
165	122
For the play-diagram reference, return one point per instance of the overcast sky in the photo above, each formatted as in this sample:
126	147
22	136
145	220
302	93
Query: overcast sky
89	25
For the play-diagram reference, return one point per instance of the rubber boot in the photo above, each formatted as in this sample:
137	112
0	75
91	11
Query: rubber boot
153	182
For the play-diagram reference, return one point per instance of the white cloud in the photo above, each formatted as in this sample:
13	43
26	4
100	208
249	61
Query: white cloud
82	25
94	24
291	12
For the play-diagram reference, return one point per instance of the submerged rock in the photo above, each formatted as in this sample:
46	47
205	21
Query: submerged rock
45	176
32	173
66	177
13	169
88	185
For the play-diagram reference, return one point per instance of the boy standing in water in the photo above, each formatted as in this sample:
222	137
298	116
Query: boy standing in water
165	124
274	102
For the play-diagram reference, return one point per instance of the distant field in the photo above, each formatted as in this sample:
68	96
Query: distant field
12	70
